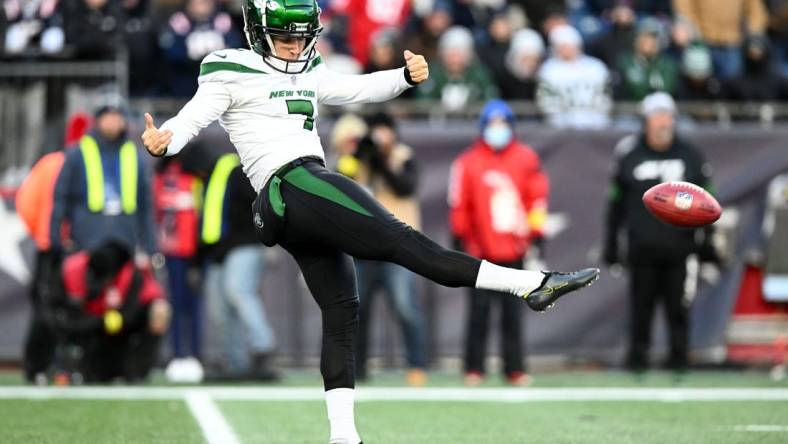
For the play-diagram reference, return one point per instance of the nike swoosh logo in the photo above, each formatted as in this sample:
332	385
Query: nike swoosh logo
221	56
547	291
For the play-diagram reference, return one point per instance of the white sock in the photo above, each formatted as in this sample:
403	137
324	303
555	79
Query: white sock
339	403
509	280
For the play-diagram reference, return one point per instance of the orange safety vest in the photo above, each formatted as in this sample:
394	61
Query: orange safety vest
35	198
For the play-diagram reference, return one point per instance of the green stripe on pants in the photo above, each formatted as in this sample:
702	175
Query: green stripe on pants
302	179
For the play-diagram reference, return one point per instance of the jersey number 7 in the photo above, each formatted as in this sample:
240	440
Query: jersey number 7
304	107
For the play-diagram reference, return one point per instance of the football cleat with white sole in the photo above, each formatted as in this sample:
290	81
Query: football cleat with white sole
557	284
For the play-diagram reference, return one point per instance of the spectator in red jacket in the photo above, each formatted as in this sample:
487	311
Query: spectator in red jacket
113	310
498	198
366	18
177	204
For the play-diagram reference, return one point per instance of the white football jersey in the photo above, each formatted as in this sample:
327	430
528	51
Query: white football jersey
270	116
574	94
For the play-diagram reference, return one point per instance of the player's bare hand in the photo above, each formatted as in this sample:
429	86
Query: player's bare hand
416	66
155	140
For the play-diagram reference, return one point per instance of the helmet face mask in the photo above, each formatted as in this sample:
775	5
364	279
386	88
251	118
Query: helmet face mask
266	20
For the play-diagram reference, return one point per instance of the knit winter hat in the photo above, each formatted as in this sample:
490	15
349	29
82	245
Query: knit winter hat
526	41
456	37
565	34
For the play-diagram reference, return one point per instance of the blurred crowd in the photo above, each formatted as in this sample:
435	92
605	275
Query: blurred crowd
574	57
128	257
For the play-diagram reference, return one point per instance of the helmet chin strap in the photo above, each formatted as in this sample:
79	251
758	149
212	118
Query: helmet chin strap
287	66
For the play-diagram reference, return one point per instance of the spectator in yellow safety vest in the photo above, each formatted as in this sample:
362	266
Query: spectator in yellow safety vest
103	191
235	263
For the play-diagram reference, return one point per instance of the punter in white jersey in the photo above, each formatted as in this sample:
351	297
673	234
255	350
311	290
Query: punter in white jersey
266	99
270	115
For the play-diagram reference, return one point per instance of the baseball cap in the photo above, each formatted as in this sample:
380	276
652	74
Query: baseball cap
658	101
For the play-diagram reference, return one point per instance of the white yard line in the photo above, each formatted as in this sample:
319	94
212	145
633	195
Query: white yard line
402	394
760	428
214	426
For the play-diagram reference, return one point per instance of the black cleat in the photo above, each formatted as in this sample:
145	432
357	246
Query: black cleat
557	284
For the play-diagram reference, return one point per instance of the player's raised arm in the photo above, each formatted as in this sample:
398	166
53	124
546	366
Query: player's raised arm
211	100
343	89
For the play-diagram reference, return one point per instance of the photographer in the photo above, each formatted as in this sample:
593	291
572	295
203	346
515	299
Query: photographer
386	167
113	311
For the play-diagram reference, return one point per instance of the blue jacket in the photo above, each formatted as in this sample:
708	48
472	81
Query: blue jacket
89	229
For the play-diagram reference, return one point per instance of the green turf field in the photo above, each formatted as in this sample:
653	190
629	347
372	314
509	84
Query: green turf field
96	421
40	418
537	422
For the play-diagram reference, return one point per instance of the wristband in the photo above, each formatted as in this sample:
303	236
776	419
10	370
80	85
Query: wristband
163	153
408	78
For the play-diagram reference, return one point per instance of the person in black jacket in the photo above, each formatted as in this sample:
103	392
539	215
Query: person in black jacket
93	28
522	62
140	34
761	80
495	44
657	253
619	39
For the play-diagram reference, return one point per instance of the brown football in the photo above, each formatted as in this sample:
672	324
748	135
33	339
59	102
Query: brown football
682	204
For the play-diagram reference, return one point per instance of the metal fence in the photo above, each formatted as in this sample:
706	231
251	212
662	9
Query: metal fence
37	97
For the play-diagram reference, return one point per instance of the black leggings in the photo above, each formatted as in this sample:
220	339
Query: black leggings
329	218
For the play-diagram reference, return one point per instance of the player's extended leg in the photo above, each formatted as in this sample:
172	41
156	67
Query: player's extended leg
331	278
367	279
326	207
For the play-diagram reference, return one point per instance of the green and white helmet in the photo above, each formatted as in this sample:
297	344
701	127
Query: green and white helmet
296	19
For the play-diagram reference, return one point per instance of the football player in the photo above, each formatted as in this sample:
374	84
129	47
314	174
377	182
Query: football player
267	98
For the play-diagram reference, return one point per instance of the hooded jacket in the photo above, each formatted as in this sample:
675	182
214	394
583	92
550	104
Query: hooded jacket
498	200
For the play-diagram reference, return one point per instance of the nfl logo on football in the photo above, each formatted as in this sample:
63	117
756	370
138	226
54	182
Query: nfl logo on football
683	200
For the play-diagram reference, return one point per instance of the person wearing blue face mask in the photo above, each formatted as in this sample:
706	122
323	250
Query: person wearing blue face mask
497	134
498	197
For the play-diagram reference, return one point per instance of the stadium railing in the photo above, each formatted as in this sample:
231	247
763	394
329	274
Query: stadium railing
717	112
37	96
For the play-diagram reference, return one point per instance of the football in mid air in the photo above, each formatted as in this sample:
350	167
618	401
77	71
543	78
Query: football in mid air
682	204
